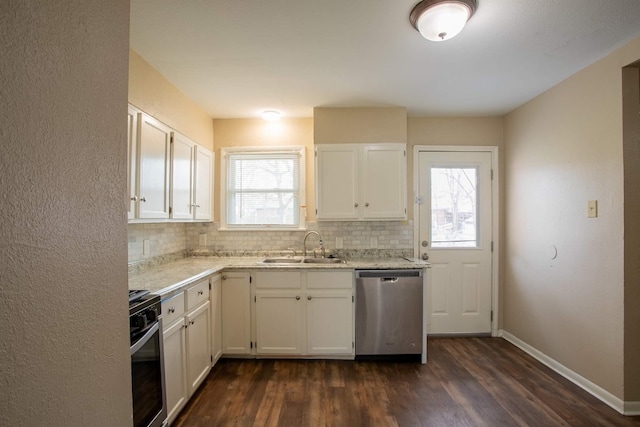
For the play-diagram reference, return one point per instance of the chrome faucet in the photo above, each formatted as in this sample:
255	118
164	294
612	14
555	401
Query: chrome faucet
304	243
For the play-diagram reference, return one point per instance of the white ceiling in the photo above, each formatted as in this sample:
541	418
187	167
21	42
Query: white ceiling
236	58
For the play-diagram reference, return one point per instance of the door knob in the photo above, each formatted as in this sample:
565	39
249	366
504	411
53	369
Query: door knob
425	243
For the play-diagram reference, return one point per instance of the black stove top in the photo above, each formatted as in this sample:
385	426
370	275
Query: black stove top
136	294
141	299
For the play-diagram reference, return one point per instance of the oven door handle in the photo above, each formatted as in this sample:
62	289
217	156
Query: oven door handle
147	336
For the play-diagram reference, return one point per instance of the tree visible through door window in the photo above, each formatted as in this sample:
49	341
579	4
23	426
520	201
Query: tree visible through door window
453	207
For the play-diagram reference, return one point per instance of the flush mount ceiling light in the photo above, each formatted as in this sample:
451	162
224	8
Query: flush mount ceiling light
439	20
271	115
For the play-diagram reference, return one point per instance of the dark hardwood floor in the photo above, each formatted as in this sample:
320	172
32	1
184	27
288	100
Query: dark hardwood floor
466	382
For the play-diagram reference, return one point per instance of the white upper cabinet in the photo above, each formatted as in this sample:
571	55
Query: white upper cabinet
153	168
182	162
384	181
170	177
203	184
361	182
132	163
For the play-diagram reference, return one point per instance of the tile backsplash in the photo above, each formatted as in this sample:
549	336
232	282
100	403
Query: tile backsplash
366	237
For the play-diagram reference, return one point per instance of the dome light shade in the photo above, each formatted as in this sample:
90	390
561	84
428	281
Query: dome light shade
271	115
439	20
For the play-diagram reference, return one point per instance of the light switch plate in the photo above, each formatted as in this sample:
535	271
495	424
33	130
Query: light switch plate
592	209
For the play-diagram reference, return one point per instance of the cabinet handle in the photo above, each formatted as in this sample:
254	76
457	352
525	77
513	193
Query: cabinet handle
200	292
192	322
355	205
366	205
309	297
195	206
224	277
185	326
143	199
297	297
172	310
134	198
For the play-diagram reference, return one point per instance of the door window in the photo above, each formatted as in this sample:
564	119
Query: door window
454	214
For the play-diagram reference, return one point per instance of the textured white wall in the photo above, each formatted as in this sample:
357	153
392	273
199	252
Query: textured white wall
63	251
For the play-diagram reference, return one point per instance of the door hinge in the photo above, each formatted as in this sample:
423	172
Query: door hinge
492	315
170	210
353	345
491	174
251	344
353	298
250	279
255	299
209	285
492	246
212	358
171	139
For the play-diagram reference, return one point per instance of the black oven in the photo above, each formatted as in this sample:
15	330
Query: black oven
147	360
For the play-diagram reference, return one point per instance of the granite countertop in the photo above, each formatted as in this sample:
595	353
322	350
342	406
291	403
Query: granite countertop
168	278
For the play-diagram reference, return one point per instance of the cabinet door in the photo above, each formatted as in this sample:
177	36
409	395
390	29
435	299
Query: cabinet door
175	367
384	176
330	322
132	157
236	313
198	345
216	318
279	322
203	184
153	168
337	182
182	161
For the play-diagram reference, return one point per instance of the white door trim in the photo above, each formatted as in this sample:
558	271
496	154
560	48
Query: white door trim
495	221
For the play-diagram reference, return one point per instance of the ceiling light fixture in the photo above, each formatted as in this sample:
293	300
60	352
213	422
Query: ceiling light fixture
271	115
439	20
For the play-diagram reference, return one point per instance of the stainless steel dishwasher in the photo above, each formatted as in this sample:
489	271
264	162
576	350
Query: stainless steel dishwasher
389	312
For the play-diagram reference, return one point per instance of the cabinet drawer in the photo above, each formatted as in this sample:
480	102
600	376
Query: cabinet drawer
172	309
197	294
330	279
278	279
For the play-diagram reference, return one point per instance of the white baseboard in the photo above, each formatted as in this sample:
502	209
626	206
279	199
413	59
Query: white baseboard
632	408
625	408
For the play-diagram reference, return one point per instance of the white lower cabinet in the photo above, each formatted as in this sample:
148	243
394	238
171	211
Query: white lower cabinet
187	344
175	372
279	322
304	313
216	318
236	313
330	322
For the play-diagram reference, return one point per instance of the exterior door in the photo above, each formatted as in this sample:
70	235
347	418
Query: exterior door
455	233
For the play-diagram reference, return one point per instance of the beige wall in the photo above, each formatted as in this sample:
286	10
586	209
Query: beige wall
258	132
156	96
63	257
564	148
631	151
360	125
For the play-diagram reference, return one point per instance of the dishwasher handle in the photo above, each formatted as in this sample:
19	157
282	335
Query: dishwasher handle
389	279
389	274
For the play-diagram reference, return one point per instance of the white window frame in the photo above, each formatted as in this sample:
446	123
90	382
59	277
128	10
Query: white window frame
226	151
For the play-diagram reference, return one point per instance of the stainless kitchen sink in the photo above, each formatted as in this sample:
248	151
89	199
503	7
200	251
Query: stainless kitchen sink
285	260
282	260
324	261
